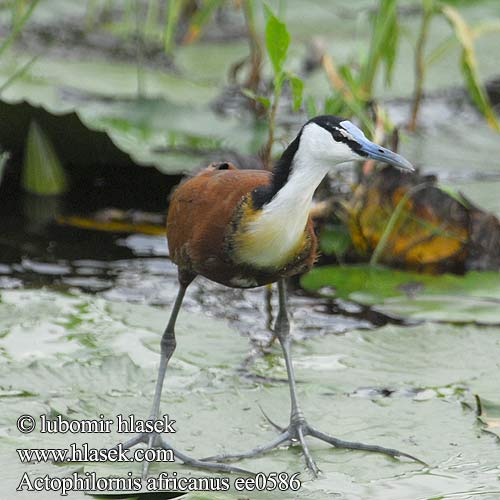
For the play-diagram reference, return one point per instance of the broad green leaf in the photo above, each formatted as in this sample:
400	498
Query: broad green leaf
458	299
277	41
407	383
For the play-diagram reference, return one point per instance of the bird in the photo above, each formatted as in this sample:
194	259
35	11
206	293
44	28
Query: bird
249	228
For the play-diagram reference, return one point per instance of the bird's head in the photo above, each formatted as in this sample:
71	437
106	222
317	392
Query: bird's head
332	140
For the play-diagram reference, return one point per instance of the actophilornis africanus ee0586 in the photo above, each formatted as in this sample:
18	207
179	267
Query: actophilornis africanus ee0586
247	228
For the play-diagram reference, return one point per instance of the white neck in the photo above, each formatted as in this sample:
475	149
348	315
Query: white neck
289	209
273	238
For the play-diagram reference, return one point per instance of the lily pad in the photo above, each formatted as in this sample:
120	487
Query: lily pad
155	130
216	408
474	297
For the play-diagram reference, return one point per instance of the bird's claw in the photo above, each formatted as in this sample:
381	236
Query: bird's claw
275	425
296	433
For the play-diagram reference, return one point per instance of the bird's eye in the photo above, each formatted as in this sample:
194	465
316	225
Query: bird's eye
380	150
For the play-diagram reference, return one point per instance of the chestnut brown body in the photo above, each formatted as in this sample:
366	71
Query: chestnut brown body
206	214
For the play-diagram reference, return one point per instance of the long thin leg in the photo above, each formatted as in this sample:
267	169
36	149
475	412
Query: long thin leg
297	429
298	426
168	344
283	333
155	440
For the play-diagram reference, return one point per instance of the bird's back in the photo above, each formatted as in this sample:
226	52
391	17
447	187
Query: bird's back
202	216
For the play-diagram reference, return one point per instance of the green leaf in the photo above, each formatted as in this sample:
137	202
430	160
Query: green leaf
46	364
17	74
383	45
43	173
18	26
472	298
265	101
469	65
201	17
277	41
297	91
335	105
3	161
173	13
334	240
454	194
312	109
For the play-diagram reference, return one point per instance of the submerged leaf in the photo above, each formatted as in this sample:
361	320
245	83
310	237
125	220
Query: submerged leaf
3	161
407	221
43	173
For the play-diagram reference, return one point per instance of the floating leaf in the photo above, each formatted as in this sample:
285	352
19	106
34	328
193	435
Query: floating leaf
365	385
43	173
474	297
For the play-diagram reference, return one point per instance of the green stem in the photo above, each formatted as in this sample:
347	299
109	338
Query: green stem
18	27
254	75
174	9
139	58
278	84
18	73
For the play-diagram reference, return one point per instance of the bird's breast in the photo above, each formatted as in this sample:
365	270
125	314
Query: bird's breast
267	240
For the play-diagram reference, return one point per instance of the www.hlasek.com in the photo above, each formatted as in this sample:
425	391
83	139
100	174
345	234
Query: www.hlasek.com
89	481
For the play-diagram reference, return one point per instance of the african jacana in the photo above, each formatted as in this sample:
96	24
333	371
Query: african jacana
247	228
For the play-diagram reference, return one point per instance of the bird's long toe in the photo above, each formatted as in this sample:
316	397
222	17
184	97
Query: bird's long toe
258	450
353	445
207	464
